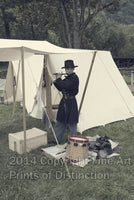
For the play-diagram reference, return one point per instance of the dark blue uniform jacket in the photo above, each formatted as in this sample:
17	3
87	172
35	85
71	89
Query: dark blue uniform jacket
68	110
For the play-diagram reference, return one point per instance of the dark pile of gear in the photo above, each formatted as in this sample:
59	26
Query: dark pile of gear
102	146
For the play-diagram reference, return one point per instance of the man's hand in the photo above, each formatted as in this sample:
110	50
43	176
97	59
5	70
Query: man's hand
59	75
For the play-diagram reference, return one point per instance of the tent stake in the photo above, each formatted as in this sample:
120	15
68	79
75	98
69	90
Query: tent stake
23	92
89	73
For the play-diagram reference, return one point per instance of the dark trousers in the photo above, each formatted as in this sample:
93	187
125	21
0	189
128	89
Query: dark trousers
60	129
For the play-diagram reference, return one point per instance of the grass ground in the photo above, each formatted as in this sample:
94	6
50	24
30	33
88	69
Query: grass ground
32	176
126	73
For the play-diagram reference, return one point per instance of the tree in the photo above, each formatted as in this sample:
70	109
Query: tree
105	34
125	15
77	14
31	21
23	19
128	49
7	16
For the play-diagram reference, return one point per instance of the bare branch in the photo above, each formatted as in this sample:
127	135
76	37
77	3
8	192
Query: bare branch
83	6
75	14
66	24
91	16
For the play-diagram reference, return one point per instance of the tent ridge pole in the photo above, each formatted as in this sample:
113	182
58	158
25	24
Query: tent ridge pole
16	90
23	92
88	77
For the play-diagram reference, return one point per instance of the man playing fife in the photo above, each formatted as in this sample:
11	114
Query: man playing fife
68	110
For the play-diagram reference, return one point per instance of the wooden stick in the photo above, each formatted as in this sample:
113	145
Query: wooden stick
57	143
89	73
48	90
16	91
23	91
51	127
13	83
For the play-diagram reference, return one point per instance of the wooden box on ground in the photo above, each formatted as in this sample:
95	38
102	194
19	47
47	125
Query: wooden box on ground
34	139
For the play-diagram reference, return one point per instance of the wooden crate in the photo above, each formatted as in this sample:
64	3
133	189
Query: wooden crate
34	139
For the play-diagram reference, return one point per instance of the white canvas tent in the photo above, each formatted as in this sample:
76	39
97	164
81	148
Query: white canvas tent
106	98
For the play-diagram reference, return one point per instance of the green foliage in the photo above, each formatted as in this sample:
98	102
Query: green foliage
128	50
106	34
125	15
31	21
